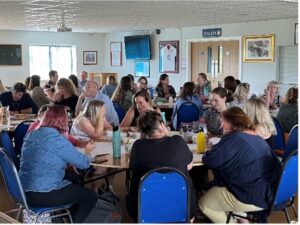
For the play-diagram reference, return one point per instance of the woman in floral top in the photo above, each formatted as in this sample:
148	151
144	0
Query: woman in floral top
203	88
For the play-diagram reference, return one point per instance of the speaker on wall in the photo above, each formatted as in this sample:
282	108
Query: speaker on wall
157	31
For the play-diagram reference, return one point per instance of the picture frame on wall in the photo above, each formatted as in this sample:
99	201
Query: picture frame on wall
89	57
169	56
116	53
10	55
142	68
259	48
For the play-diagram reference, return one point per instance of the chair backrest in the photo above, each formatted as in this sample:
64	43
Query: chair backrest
20	133
292	143
11	178
164	197
288	183
187	112
279	137
120	111
6	142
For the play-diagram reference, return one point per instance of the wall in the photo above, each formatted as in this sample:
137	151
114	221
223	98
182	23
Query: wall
83	41
258	74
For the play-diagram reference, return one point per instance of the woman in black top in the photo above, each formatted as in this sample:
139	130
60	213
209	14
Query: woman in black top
155	150
163	89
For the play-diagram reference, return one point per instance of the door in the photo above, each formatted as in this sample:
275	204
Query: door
218	59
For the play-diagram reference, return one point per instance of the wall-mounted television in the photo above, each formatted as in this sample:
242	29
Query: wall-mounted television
138	47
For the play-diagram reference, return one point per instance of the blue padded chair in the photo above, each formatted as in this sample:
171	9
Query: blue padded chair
6	142
186	113
279	138
292	143
20	133
120	111
285	194
15	190
164	197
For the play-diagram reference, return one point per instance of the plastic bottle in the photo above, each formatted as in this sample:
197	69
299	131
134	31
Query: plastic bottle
163	115
116	142
201	142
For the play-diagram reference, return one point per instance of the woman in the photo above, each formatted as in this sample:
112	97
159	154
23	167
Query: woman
2	88
203	88
65	94
142	83
245	174
110	86
90	122
123	93
186	95
37	93
288	112
261	119
74	80
212	115
240	95
142	103
163	89
45	155
230	85
156	150
271	96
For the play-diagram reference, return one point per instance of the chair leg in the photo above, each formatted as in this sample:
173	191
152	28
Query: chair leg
287	215
295	212
228	217
19	212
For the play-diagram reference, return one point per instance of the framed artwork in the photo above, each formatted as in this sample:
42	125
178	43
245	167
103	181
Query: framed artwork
10	55
89	57
142	68
116	53
259	48
296	34
169	56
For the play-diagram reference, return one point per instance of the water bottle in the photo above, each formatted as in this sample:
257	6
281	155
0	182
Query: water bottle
201	141
163	115
116	142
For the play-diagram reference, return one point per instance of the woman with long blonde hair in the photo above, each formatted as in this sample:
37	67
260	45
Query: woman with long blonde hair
90	122
262	120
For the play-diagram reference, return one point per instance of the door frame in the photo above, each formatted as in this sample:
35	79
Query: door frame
189	52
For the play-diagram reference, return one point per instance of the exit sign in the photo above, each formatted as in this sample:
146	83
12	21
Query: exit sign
214	32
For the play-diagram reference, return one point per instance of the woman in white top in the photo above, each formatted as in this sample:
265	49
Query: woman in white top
91	122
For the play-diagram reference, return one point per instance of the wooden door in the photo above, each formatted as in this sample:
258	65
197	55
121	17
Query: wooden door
217	59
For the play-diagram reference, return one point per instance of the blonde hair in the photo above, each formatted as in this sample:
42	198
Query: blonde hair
274	83
260	115
241	92
2	88
67	84
91	111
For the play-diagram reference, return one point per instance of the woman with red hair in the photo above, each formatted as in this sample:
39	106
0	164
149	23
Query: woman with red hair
46	152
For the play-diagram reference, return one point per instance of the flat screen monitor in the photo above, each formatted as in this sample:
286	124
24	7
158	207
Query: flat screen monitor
137	47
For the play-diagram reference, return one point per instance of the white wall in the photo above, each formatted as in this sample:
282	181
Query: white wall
258	74
83	42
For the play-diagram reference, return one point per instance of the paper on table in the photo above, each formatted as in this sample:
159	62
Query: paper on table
214	140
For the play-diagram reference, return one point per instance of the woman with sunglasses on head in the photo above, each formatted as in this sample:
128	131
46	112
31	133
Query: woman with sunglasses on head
45	154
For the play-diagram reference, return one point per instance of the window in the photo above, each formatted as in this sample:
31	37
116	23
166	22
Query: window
44	58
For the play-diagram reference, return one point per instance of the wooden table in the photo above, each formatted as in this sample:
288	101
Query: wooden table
167	105
11	124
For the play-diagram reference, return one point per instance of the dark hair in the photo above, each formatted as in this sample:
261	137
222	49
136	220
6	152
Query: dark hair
203	75
112	80
19	87
126	83
27	82
52	73
187	90
292	95
149	122
35	81
230	85
222	92
74	79
143	78
237	81
141	93
131	77
238	119
162	77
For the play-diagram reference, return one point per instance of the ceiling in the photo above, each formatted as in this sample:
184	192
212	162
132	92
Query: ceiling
117	16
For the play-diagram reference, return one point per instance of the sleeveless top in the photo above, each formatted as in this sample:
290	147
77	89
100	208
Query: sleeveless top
77	132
